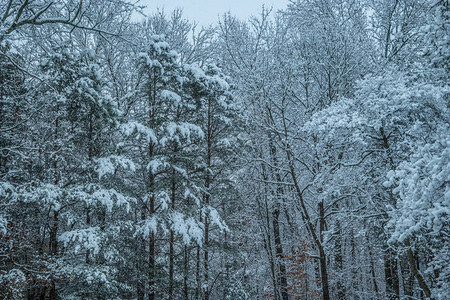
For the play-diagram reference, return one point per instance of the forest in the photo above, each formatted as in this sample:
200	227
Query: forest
302	153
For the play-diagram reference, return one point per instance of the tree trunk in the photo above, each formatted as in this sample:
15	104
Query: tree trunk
207	196
88	223
151	254
282	280
265	216
281	266
390	272
151	182
412	264
197	273
53	251
151	258
339	263
186	273
372	269
323	258
206	258
172	240
310	226
306	216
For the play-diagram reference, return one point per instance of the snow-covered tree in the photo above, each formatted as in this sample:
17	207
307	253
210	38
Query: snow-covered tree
302	153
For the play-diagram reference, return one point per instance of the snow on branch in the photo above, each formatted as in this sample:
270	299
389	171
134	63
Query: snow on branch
109	165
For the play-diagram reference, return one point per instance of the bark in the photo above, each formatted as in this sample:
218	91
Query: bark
151	256
339	263
171	264
323	259
389	30
53	251
207	196
90	157
88	223
390	273
206	257
226	261
151	183
269	250
172	239
186	273
197	273
54	229
304	210
281	266
198	270
282	280
412	264
372	269
310	226
265	216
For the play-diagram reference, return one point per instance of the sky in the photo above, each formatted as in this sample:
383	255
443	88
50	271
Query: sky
206	12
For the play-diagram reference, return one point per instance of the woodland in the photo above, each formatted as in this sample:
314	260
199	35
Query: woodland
299	154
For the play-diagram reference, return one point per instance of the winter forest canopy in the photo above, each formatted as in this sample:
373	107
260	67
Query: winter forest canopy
300	154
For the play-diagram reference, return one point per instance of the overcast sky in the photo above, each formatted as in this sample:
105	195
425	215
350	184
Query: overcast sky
206	12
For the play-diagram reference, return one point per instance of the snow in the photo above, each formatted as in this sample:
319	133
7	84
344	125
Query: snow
12	277
159	44
215	218
171	96
157	164
420	183
189	195
164	200
220	82
196	71
110	198
149	62
341	115
187	227
181	171
136	127
3	224
184	129
87	155
83	239
96	277
48	194
108	165
104	166
227	141
148	226
6	189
